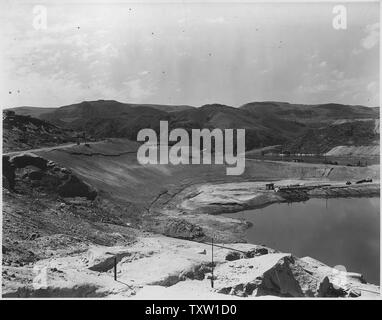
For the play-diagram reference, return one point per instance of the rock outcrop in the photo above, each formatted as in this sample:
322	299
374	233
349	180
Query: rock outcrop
22	132
176	228
8	173
44	174
270	274
29	159
175	268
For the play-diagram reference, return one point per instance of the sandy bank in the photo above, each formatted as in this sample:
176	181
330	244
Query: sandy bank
201	205
233	197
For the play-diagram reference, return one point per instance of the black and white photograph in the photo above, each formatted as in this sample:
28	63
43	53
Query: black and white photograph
190	150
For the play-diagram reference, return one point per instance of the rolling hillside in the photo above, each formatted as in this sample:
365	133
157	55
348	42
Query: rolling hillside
322	140
35	112
311	114
298	127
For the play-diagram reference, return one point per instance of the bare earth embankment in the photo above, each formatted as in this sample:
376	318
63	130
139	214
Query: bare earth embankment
86	204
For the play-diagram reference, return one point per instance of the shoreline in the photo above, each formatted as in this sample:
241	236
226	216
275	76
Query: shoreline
197	211
87	273
181	205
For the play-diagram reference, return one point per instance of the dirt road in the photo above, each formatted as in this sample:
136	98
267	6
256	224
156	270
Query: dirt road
62	146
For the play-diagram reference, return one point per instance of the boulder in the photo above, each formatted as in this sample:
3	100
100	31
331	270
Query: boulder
233	255
336	282
328	289
259	251
182	229
355	277
51	164
51	181
34	236
196	272
29	159
36	175
8	173
65	171
270	274
255	252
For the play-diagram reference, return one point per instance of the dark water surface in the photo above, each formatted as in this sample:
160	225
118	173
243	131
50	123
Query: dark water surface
337	232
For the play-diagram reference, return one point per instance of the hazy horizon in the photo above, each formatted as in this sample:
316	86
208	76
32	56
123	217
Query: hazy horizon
188	105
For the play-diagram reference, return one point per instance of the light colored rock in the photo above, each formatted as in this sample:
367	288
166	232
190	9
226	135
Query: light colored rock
269	274
160	267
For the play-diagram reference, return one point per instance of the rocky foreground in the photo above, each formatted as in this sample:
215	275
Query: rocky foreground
160	267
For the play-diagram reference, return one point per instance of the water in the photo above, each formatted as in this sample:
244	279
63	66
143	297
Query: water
339	232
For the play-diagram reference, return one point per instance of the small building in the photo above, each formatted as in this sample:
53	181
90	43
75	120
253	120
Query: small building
270	186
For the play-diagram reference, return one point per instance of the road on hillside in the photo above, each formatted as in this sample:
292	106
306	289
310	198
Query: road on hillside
61	146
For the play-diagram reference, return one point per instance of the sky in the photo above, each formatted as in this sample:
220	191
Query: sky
187	53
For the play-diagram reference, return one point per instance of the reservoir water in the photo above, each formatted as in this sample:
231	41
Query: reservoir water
344	231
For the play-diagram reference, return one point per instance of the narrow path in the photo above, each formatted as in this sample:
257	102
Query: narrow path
62	146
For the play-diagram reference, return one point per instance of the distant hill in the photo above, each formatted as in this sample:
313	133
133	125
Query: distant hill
322	140
35	112
69	115
295	126
310	114
259	131
167	108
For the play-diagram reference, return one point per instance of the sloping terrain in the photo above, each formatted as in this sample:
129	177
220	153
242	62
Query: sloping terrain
260	131
22	132
111	167
311	114
321	140
114	119
156	267
360	151
34	112
47	207
266	123
61	203
70	209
